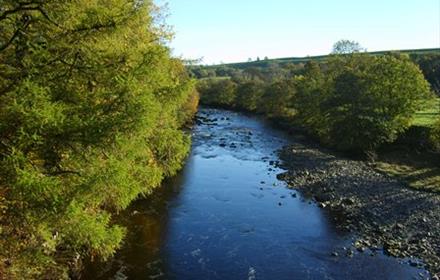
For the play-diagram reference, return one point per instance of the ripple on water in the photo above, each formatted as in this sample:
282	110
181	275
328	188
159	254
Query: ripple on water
226	216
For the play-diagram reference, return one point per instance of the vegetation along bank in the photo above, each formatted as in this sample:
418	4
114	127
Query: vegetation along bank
91	110
378	117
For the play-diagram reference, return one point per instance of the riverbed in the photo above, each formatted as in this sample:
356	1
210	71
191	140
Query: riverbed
227	216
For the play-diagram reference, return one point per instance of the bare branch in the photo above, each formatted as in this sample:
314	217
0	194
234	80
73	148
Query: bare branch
9	42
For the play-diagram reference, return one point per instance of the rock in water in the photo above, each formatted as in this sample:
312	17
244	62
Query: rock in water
252	274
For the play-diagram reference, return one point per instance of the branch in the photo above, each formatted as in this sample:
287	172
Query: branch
23	7
95	27
16	33
16	10
63	172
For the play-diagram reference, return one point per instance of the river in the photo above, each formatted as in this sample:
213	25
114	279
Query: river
226	216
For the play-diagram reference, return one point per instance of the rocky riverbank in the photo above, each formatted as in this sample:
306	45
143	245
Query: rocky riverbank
384	213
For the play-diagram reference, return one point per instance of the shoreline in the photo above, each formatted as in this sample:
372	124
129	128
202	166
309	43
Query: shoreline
381	210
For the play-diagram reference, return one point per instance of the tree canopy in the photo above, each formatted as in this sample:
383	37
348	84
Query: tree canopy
90	111
346	47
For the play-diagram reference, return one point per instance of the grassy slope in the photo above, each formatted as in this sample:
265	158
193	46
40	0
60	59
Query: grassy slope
419	169
429	115
297	60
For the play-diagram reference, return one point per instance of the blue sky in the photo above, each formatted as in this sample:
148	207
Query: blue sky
235	30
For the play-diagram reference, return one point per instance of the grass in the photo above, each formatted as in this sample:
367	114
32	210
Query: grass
297	60
419	170
429	115
215	78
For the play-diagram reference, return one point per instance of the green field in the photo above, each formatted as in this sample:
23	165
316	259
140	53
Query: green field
419	169
429	115
297	60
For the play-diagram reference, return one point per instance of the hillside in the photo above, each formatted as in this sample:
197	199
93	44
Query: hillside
298	60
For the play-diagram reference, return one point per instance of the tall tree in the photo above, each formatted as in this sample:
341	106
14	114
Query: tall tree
347	47
89	95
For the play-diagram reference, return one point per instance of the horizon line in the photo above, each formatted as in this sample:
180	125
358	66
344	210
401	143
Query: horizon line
319	56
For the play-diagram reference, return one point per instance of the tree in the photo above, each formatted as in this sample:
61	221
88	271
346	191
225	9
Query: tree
430	66
219	92
347	47
277	100
371	100
89	120
312	90
249	94
252	72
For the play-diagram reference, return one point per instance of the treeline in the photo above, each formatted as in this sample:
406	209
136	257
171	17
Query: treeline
91	106
354	103
429	63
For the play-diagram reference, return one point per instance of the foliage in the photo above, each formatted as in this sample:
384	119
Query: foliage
434	136
364	101
346	47
311	92
189	108
249	94
278	98
429	113
430	66
90	111
220	92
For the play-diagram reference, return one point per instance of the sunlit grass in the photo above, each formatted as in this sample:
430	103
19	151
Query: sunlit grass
429	115
418	171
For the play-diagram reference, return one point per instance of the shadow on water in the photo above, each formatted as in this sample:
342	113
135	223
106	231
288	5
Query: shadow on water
226	216
146	220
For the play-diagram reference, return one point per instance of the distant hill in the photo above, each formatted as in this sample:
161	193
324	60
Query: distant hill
297	60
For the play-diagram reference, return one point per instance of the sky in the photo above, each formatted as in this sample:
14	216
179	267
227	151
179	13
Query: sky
223	31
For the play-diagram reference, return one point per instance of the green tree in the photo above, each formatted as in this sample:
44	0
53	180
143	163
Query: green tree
249	94
346	47
89	120
219	92
430	66
277	100
312	91
372	100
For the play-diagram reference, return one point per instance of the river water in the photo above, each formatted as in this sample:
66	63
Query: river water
226	216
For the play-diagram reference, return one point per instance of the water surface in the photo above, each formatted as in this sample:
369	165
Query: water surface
226	216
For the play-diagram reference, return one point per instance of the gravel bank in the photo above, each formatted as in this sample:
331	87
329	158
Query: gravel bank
382	211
